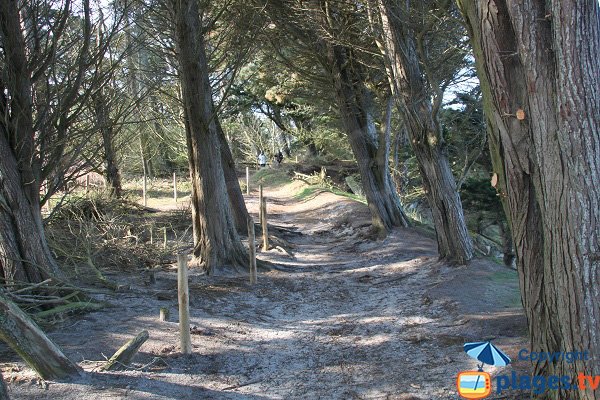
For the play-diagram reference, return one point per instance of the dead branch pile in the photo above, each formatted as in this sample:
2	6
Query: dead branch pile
90	235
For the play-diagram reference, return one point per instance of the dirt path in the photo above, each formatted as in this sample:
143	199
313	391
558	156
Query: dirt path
358	319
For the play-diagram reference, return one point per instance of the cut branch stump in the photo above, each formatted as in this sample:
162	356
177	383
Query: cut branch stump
164	314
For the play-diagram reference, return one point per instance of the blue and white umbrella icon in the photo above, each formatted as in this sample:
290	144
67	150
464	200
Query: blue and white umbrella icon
487	353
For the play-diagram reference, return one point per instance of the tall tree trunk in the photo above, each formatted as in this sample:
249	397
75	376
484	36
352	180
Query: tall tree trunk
216	242
409	87
111	170
355	110
105	126
234	191
539	70
24	252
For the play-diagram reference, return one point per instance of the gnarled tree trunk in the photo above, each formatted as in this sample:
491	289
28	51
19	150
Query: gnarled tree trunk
371	152
409	88
217	245
24	253
539	70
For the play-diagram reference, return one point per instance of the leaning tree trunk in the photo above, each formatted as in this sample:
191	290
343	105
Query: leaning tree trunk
540	72
24	252
234	191
409	88
28	340
216	242
358	123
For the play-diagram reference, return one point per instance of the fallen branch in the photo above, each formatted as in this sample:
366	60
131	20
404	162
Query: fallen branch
104	280
251	382
31	287
75	306
123	356
27	339
398	278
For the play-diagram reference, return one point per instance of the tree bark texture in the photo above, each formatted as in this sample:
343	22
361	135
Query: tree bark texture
28	340
539	60
217	245
410	90
234	191
357	119
24	252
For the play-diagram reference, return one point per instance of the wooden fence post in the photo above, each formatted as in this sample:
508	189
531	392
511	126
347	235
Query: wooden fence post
265	229
184	306
260	197
252	250
144	190
165	237
175	187
247	180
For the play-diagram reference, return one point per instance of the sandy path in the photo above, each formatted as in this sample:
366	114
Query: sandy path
356	321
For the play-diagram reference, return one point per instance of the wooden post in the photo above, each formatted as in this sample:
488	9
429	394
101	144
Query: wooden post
252	250
120	360
144	190
87	184
175	187
265	230
260	197
165	237
247	180
184	307
27	339
151	235
164	314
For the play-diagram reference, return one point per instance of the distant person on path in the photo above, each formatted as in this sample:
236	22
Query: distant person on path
279	157
262	159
